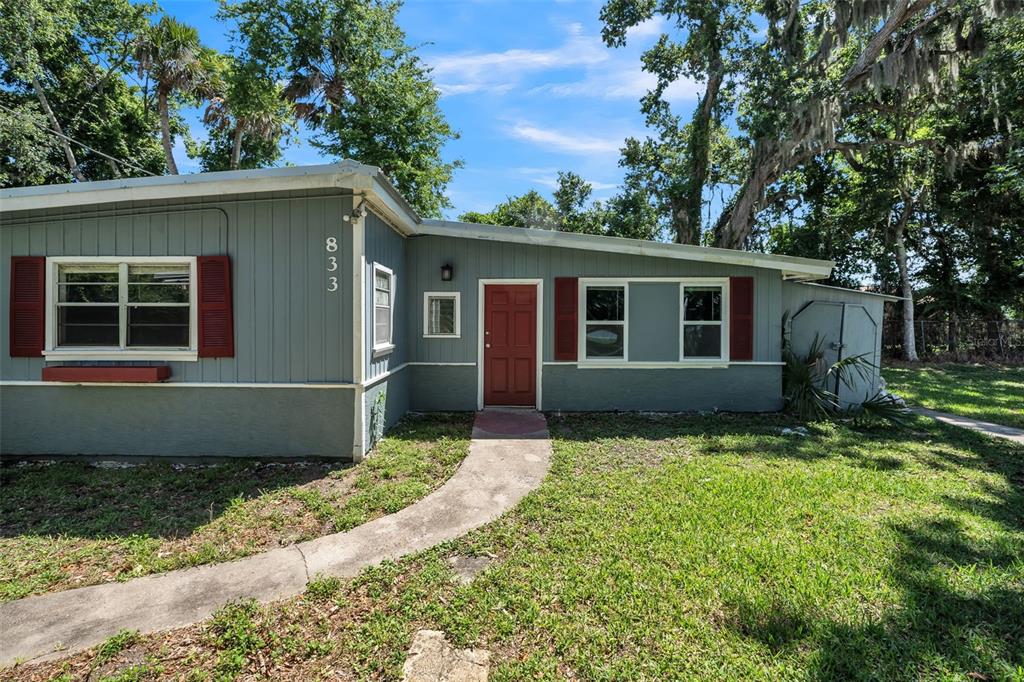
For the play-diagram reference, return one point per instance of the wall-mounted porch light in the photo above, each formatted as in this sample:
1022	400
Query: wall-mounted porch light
446	272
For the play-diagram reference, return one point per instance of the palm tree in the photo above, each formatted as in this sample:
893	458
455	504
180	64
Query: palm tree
172	57
254	107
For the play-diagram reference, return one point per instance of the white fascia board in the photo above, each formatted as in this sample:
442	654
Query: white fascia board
790	266
884	297
349	175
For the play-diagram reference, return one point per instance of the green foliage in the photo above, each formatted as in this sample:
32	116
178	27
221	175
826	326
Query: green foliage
629	214
323	588
527	210
116	644
79	55
182	70
249	124
356	83
707	41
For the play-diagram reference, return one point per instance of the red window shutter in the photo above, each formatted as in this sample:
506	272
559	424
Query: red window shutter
28	306
566	300
216	323
741	318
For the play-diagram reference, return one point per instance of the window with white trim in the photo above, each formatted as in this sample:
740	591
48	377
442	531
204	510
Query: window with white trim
383	306
604	322
441	313
703	332
130	305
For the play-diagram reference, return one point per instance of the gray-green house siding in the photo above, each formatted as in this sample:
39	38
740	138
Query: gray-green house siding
447	377
290	334
288	327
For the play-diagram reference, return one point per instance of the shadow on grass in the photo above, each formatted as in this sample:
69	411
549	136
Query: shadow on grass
77	499
951	619
161	500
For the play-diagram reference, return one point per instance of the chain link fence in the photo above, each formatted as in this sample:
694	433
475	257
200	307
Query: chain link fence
959	341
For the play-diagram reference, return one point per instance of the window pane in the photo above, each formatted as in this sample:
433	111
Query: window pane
167	274
382	281
87	274
442	315
158	293
87	326
87	284
382	326
381	297
156	326
605	341
606	303
702	303
702	340
87	293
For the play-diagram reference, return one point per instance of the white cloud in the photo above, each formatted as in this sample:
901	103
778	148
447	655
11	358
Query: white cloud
458	74
571	143
548	177
654	26
625	82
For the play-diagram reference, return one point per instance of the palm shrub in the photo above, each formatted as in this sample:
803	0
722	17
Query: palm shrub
806	380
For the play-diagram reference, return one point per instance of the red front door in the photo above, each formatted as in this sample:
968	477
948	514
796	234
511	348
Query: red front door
510	344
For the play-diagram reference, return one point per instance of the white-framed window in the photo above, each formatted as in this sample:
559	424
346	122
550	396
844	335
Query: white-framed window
383	307
603	318
703	333
117	308
442	315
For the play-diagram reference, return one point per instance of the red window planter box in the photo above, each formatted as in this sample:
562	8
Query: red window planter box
135	375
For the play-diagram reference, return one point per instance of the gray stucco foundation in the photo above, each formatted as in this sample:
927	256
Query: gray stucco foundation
177	420
740	388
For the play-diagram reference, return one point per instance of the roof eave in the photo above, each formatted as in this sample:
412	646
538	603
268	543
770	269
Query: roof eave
791	267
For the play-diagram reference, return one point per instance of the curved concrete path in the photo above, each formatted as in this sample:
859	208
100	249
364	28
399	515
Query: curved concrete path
508	457
988	428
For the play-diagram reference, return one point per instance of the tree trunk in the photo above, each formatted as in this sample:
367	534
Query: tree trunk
69	154
686	218
909	345
165	132
236	146
737	222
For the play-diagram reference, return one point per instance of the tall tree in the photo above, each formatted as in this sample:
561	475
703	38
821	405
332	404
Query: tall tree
74	56
181	70
357	84
247	125
711	47
824	62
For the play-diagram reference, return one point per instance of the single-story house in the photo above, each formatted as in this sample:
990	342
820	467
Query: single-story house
298	312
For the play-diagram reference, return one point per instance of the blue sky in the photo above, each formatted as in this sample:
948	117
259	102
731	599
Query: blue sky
529	85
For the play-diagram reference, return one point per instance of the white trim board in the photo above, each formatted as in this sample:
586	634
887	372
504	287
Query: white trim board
791	266
174	384
481	283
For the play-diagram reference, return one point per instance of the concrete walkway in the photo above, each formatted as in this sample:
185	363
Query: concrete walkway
508	457
988	428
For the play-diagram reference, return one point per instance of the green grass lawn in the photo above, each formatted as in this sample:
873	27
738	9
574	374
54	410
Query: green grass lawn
993	394
677	548
71	524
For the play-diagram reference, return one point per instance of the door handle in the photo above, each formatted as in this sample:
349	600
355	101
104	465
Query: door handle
487	345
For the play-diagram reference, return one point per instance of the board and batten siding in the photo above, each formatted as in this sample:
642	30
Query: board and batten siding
385	246
475	259
288	327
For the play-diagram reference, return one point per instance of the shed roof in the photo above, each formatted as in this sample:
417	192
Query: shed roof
371	183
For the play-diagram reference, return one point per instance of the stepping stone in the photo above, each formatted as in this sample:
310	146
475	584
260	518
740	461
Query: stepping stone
432	659
468	567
